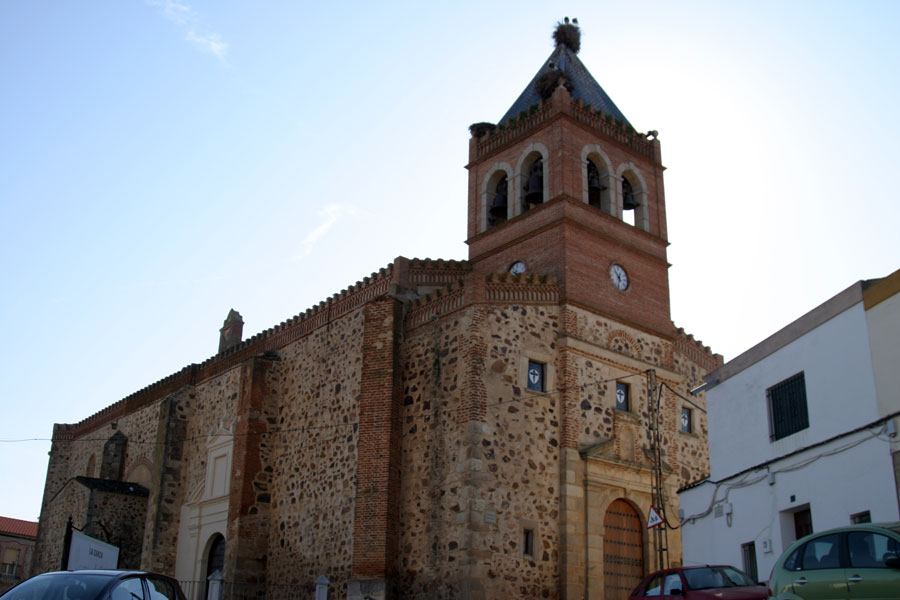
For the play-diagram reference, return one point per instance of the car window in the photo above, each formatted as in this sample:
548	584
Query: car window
822	553
704	578
59	586
793	561
160	589
128	589
870	550
673	582
654	587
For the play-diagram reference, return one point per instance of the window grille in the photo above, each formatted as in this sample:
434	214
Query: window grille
787	407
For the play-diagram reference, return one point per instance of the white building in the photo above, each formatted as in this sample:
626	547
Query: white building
802	433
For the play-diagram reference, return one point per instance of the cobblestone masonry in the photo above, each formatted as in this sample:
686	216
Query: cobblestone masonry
313	455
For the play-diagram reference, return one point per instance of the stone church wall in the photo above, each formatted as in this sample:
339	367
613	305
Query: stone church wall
312	454
471	487
431	534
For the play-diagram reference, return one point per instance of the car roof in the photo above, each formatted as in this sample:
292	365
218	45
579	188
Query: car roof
120	574
890	527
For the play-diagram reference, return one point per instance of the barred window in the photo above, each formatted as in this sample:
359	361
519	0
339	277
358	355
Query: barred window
787	407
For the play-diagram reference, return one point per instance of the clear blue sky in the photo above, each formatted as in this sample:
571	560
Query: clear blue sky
162	162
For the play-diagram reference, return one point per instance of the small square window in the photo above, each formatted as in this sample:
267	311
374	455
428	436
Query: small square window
623	400
861	517
687	425
528	542
535	376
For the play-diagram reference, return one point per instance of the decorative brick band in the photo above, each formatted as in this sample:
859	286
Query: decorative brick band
526	122
602	123
441	302
696	351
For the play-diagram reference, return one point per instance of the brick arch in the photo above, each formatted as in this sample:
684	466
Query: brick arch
622	342
595	154
487	188
529	155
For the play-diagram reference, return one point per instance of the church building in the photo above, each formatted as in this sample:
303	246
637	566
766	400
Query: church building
514	425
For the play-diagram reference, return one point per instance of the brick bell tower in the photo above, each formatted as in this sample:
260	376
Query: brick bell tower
564	186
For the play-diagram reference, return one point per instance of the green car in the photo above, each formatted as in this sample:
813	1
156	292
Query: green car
857	561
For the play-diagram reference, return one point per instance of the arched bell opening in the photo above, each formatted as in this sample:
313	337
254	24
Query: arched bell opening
498	200
598	188
533	183
634	204
629	202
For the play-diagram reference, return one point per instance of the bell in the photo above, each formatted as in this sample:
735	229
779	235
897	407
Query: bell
628	201
534	190
595	188
498	210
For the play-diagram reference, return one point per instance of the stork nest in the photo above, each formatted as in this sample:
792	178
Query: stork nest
568	34
481	129
547	83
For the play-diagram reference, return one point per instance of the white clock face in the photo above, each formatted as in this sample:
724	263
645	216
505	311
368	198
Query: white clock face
517	267
619	277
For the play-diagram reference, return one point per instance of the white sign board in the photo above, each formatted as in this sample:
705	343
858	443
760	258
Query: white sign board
86	552
653	519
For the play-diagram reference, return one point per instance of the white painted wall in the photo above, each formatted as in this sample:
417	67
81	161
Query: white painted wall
840	395
835	480
834	486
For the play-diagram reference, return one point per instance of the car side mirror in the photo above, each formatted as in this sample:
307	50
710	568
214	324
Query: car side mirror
892	560
676	592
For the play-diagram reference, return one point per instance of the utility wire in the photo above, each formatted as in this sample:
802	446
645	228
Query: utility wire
450	411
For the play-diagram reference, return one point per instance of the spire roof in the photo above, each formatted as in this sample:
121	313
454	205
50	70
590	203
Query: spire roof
583	85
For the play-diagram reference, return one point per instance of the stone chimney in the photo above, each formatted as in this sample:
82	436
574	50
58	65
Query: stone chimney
232	329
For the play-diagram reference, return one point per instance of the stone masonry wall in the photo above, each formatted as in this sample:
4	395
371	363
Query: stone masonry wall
470	488
429	505
312	448
122	517
71	456
626	352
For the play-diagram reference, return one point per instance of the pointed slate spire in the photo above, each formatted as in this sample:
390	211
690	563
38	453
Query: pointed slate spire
579	81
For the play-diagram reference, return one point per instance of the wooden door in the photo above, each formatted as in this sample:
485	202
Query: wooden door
623	551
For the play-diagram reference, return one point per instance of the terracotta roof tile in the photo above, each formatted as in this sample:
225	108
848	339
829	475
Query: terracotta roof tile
18	527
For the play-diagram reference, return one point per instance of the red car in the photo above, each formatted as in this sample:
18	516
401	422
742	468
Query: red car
703	581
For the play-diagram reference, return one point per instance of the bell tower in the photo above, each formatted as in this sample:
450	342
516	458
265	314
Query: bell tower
564	186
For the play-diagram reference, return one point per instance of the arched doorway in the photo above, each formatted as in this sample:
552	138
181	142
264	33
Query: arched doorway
623	551
215	560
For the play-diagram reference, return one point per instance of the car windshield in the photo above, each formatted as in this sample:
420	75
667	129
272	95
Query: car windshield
715	577
59	586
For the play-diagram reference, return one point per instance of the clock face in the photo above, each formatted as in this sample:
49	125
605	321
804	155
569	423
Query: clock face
619	277
517	267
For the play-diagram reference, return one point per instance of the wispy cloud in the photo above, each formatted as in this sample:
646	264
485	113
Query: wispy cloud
329	215
186	19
